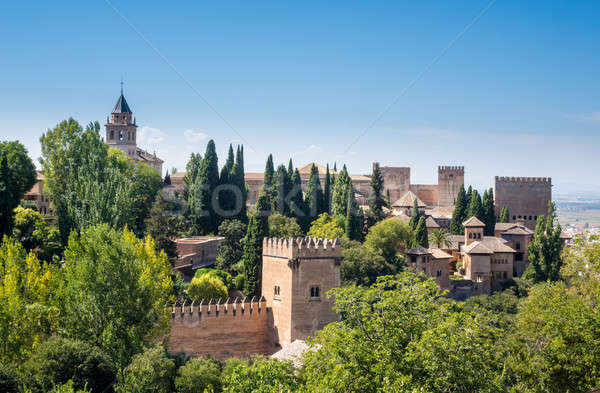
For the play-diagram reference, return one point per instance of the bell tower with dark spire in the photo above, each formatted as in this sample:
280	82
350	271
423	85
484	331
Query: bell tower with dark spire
121	129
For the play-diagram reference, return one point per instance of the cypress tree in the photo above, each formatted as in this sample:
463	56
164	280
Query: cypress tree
192	168
335	166
167	180
545	248
290	169
504	215
225	198
339	196
237	178
6	216
281	188
421	236
251	259
475	207
203	215
354	218
297	208
376	200
459	213
327	193
469	194
314	195
269	178
230	159
488	211
414	215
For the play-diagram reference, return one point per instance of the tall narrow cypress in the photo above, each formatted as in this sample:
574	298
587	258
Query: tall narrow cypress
354	218
202	213
327	193
475	207
459	213
376	200
339	196
314	194
281	188
414	215
488	212
421	236
297	208
290	169
238	180
504	215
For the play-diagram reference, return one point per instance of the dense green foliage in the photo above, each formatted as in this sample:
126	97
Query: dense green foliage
282	226
339	196
326	227
545	248
261	376
164	223
113	291
206	287
36	235
198	375
58	361
220	274
230	249
353	223
17	176
361	265
389	238
149	372
421	236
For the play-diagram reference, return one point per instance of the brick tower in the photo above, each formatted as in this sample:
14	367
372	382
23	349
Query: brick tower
450	178
296	274
120	129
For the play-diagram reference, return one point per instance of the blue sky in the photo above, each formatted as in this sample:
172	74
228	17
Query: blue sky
517	94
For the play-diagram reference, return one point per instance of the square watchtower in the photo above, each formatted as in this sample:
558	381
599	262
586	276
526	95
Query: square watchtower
296	274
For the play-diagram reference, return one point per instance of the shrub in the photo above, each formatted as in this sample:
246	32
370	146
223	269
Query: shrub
60	360
240	281
149	372
220	274
9	379
207	287
197	375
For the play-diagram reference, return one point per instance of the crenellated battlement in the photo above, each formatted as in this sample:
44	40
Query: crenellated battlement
232	307
301	247
513	179
451	168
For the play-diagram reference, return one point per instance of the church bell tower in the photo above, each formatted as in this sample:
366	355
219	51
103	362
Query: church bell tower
121	130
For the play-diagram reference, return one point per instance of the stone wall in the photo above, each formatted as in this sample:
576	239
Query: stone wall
396	180
235	328
525	197
428	193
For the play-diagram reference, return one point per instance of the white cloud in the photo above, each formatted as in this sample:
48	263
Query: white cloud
149	135
193	136
592	117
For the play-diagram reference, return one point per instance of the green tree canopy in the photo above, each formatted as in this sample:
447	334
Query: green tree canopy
339	196
206	287
198	375
282	226
361	265
545	261
389	238
149	372
35	234
17	177
263	375
113	291
326	227
230	249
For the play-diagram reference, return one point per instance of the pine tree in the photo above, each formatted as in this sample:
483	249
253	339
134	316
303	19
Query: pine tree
327	192
354	218
281	188
414	215
504	215
475	207
339	196
421	236
314	195
488	212
459	213
376	200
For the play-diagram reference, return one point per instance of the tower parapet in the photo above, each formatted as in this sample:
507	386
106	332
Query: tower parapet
450	178
526	198
520	179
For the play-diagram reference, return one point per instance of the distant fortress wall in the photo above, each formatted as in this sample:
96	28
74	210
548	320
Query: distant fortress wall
525	197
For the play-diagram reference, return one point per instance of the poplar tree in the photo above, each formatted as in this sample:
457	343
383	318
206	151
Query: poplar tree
504	215
339	200
314	195
376	199
475	207
488	212
327	192
421	236
459	213
354	218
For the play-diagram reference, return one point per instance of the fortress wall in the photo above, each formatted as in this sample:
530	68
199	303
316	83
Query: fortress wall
526	197
395	179
234	328
428	193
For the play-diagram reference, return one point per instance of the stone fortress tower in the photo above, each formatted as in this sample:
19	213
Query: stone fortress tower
525	197
450	178
297	273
